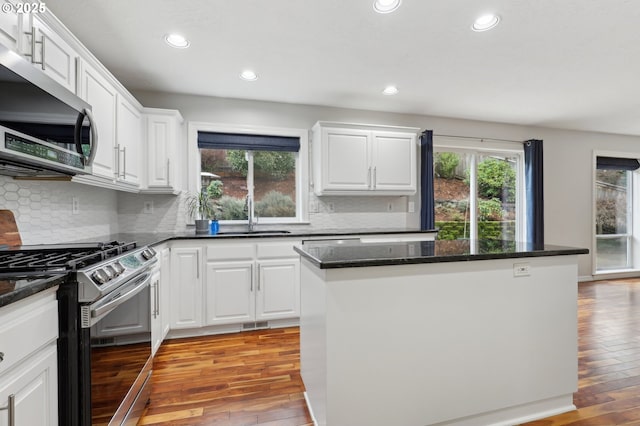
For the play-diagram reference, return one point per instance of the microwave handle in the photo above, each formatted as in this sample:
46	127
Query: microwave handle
88	160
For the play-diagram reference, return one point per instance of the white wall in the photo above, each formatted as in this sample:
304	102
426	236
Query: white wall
567	157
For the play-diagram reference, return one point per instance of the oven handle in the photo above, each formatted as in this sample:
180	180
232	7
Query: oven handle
111	305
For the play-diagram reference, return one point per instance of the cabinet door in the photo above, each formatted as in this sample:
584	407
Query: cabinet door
102	97
156	318
186	288
54	55
346	159
34	386
394	162
10	26
165	285
128	141
159	134
278	294
230	296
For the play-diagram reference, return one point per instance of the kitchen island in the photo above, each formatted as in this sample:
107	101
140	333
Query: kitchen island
438	332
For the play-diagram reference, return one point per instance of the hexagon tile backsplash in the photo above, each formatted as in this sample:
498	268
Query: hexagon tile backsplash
43	210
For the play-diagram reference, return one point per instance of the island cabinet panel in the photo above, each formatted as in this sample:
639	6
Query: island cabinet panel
461	343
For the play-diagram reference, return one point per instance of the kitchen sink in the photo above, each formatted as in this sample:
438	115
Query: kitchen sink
255	232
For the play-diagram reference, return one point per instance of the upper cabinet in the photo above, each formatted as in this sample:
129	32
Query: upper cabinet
128	142
47	50
10	25
163	149
103	98
120	133
352	159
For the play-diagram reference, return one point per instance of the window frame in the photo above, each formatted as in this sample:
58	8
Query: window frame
476	147
633	231
301	170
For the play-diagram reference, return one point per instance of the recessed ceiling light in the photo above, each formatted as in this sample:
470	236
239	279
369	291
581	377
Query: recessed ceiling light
390	90
485	22
386	6
248	75
177	41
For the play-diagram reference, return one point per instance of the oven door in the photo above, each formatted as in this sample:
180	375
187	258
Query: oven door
116	346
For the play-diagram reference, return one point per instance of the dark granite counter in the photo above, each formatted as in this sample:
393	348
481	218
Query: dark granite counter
328	255
158	238
16	288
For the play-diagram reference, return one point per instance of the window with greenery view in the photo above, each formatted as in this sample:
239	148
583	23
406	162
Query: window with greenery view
269	177
614	214
475	195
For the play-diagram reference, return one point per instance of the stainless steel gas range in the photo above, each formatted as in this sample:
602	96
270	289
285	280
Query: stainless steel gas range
104	345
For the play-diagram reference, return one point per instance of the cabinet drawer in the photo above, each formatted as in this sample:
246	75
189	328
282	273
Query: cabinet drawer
230	251
27	327
276	250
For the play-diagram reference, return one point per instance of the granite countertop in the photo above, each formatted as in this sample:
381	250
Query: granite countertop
328	255
16	288
151	239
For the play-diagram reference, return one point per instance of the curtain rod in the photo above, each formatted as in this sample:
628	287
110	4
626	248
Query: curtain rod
480	139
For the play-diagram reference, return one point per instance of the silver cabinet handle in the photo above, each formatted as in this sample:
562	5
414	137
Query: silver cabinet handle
42	61
11	408
258	268
168	172
33	33
375	177
198	267
124	162
369	177
251	279
116	165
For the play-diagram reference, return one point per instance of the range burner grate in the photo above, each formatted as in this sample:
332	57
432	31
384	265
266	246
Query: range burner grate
60	258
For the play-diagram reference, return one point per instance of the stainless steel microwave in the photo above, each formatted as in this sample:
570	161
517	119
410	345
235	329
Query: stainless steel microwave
45	130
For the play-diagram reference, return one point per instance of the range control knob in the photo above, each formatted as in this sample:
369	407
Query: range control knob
100	276
147	254
118	267
110	271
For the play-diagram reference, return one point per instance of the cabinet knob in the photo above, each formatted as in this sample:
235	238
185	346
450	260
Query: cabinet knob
1	356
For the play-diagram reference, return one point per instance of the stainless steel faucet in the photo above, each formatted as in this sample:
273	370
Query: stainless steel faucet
249	207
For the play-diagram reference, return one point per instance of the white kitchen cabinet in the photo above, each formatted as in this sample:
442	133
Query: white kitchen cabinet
350	159
128	142
48	50
278	291
186	287
165	286
28	366
156	318
103	98
230	295
10	25
163	136
249	282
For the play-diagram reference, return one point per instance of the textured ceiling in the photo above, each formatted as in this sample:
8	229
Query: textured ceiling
571	64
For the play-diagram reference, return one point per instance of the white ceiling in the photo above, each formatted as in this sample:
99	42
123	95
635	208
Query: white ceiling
571	64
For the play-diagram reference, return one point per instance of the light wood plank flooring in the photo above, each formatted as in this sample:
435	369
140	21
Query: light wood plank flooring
253	378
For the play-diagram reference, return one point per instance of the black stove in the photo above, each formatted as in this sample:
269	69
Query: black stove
100	284
52	258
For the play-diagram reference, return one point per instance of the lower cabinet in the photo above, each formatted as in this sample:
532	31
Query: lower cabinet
30	391
29	361
186	287
240	292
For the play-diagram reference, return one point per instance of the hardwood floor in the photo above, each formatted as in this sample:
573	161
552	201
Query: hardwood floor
253	378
